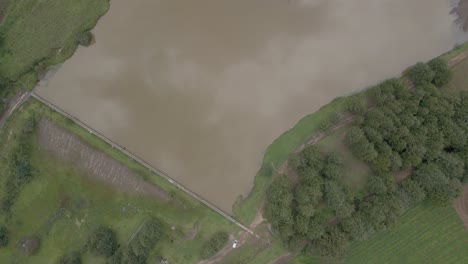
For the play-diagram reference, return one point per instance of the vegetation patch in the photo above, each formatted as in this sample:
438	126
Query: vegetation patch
424	129
65	204
216	242
140	246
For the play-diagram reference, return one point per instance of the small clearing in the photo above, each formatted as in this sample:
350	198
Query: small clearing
461	206
98	165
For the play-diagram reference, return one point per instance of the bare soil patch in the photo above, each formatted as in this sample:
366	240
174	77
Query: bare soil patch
99	166
461	206
401	175
193	232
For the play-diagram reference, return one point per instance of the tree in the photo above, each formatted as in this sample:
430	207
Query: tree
451	165
70	258
214	244
316	228
345	210
442	73
3	236
421	73
357	227
334	195
376	185
333	167
301	224
360	145
356	105
411	192
312	158
102	242
430	177
305	199
332	244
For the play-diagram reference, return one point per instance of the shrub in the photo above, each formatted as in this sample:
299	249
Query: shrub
71	258
332	245
214	244
85	39
442	73
356	105
421	73
102	242
3	236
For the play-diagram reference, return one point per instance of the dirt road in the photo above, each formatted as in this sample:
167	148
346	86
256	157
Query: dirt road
17	100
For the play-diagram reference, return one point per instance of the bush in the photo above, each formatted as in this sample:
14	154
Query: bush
333	168
332	245
214	244
442	73
85	39
102	242
421	73
71	258
356	105
29	245
3	236
141	245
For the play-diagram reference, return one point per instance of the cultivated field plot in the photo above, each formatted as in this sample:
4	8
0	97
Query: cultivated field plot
69	147
424	235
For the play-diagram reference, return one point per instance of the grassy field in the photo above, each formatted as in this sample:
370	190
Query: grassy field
61	205
40	33
424	235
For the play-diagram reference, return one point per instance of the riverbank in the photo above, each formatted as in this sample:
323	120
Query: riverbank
309	127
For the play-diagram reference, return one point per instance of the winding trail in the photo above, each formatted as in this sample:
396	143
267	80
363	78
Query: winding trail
18	99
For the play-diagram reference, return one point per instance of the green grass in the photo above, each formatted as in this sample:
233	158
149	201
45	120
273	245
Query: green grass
455	52
44	31
356	171
423	235
88	203
460	78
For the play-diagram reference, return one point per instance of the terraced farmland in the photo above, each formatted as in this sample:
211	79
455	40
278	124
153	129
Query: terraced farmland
424	235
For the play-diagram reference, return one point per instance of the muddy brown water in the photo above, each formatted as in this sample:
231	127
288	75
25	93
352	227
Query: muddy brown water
199	89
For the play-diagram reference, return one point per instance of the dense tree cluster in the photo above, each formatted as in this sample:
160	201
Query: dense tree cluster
102	242
139	248
216	242
20	169
435	72
295	211
424	130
